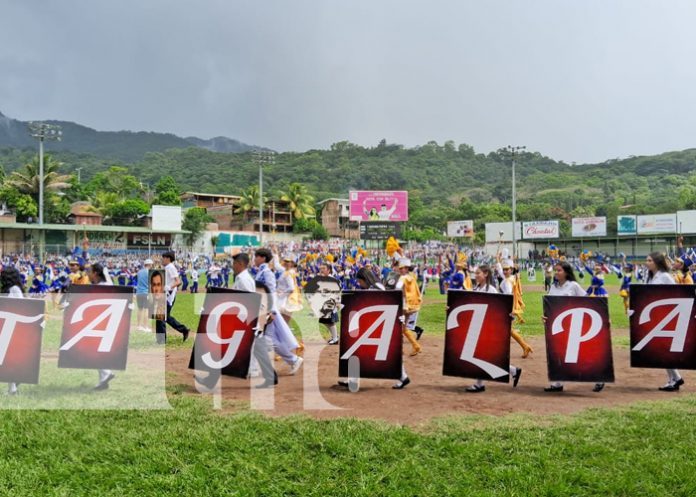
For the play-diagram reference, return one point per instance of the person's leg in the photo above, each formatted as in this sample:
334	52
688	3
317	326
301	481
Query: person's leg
171	321
403	381
260	353
334	333
161	331
526	349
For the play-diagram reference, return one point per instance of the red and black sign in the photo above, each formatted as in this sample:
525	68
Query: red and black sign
96	327
370	344
663	326
477	336
578	339
21	330
226	332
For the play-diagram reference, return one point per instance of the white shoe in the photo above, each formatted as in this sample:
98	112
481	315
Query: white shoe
295	367
333	341
254	374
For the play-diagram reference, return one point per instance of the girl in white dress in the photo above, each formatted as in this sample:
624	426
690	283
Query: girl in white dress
658	274
484	283
565	285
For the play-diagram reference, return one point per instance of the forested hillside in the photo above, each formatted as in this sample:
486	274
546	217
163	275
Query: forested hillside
447	181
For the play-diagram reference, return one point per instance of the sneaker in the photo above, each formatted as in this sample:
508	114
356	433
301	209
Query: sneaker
333	341
669	387
104	384
598	387
554	388
401	384
516	378
476	389
296	367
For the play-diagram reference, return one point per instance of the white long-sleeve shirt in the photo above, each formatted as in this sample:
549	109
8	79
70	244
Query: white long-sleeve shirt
568	289
244	282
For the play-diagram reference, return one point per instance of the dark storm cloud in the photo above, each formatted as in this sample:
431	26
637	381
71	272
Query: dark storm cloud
580	81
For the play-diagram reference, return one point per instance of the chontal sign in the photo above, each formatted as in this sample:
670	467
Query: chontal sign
540	229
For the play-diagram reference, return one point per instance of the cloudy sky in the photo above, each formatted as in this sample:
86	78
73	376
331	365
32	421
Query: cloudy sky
577	80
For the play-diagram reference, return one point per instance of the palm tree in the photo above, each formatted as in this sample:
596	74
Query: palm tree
27	180
249	201
299	201
102	202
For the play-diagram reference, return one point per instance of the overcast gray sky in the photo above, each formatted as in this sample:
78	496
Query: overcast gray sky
577	80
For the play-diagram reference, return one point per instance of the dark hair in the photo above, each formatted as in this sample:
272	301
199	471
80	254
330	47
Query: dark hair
169	255
660	262
367	276
10	277
567	269
156	273
485	268
98	269
241	257
265	253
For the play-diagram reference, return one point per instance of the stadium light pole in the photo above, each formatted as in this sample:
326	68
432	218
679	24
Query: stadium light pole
42	132
262	158
514	151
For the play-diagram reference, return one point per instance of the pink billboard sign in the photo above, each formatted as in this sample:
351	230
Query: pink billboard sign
379	206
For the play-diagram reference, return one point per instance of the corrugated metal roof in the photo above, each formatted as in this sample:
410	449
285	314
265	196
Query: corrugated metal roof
87	227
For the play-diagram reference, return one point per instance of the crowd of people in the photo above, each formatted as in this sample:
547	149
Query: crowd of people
283	270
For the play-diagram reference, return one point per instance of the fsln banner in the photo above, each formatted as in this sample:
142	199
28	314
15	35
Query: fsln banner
226	332
663	326
96	327
21	331
477	335
370	344
578	339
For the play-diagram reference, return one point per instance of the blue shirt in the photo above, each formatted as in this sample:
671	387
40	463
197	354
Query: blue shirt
143	282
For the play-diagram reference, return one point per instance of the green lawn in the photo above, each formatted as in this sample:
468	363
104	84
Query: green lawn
647	450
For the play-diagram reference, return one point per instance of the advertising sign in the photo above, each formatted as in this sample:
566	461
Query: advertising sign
379	206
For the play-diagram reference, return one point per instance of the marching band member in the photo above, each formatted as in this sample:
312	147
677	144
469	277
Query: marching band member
658	274
681	266
566	286
627	276
484	283
507	286
277	329
596	288
412	302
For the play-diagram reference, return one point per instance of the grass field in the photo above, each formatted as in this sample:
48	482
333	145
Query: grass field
644	450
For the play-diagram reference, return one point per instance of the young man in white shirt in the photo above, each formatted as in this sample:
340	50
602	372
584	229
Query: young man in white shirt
171	284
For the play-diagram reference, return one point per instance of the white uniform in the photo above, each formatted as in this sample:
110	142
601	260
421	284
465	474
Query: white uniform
492	289
662	278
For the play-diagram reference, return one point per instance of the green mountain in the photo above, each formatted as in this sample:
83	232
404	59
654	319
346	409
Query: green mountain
445	181
124	146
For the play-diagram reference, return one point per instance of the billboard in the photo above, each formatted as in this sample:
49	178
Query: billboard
657	223
686	222
379	206
501	232
626	225
379	231
166	218
540	230
589	226
456	229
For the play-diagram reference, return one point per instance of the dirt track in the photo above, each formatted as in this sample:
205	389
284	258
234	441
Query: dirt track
430	394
